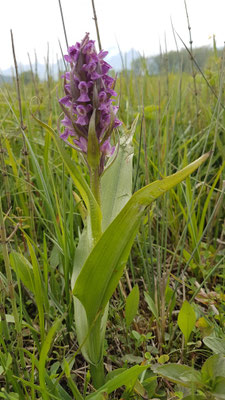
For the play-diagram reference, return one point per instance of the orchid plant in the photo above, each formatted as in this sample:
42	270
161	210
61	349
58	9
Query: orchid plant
111	214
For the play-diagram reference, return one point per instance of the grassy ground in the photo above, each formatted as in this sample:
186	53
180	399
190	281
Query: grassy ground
178	254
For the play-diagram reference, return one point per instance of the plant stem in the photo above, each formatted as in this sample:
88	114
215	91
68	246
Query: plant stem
96	190
95	184
97	374
97	371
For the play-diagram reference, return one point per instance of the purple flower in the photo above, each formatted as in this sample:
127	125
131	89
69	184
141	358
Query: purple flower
67	122
107	149
83	87
88	96
73	53
67	132
66	100
82	144
82	115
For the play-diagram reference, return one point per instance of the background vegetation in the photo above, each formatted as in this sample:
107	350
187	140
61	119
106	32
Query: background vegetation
178	257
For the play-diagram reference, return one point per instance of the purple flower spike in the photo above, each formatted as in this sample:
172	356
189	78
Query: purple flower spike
88	97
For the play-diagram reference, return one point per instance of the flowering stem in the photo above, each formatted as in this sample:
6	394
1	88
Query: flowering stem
95	188
95	184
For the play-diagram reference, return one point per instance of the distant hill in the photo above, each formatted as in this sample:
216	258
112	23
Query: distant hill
171	62
5	79
118	62
123	60
176	62
41	69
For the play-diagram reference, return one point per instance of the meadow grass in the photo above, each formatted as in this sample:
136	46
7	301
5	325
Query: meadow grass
178	254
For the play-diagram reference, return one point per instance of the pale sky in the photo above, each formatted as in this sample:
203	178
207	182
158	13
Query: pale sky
138	24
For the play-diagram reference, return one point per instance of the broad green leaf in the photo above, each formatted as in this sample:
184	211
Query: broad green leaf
182	374
213	367
132	303
104	266
219	391
123	379
151	305
116	183
91	350
79	180
112	374
24	270
186	319
217	345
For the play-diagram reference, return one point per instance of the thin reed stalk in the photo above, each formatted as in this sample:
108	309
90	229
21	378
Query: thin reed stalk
63	23
192	63
96	25
5	177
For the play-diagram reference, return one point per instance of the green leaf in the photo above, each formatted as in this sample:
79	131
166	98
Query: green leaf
44	354
116	183
124	379
218	390
24	270
186	319
151	305
132	303
213	367
217	345
182	374
104	266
